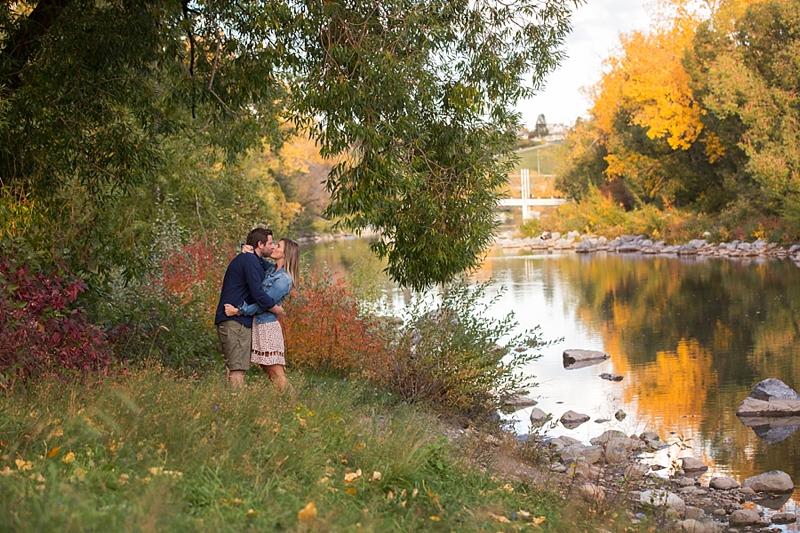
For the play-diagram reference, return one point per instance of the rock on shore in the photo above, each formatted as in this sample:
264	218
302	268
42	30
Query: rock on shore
574	241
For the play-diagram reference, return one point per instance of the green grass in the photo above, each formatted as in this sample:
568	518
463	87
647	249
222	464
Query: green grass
152	451
547	159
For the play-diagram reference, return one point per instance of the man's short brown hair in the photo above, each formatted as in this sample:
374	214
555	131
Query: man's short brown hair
258	235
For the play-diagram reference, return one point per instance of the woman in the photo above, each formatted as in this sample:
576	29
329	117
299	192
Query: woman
268	347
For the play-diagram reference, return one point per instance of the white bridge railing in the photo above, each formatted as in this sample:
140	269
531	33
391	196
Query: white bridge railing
526	201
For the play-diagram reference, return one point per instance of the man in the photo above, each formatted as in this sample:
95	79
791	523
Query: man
242	282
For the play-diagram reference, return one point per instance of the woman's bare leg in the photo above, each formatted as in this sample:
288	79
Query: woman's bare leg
277	375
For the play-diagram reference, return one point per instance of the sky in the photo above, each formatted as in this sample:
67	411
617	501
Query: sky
596	26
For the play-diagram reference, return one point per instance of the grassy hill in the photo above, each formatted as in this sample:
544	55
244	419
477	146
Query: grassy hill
547	158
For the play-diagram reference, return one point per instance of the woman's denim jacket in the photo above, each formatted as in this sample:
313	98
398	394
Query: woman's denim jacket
276	284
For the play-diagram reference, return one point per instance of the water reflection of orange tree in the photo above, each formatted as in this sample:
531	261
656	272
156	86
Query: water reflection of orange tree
741	314
696	336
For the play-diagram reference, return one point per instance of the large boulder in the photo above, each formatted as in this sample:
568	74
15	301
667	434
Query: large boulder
773	389
773	481
776	407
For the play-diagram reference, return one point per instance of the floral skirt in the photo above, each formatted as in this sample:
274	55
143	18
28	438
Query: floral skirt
267	346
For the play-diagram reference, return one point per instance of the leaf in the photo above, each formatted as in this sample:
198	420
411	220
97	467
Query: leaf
498	518
307	514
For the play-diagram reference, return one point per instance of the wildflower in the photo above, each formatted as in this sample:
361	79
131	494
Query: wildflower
23	464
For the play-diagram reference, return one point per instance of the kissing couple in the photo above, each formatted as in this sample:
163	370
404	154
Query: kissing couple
255	283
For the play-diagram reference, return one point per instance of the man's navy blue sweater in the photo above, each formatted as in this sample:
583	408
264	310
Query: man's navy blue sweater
242	283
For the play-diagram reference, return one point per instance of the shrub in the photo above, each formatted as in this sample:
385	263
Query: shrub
448	354
42	330
168	313
324	330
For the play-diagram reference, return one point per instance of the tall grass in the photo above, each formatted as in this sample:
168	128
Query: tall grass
155	452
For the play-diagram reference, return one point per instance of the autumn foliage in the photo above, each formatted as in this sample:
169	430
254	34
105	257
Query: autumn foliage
42	331
699	111
323	328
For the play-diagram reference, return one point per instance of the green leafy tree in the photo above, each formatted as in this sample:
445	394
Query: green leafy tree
415	97
749	80
541	126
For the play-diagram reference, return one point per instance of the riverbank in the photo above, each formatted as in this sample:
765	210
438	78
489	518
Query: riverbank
154	451
574	241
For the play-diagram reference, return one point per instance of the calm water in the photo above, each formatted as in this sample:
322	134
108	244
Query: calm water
690	336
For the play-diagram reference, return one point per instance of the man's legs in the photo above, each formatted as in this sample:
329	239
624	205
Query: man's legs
235	339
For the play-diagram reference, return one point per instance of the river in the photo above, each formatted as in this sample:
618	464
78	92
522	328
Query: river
690	336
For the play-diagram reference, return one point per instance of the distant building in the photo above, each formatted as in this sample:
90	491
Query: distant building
555	133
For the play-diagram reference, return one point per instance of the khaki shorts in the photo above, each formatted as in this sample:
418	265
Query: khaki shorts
235	339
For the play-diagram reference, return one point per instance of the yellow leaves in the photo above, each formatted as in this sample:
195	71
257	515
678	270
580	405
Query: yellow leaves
6	471
434	518
23	464
70	457
376	476
714	149
352	476
53	452
307	514
351	491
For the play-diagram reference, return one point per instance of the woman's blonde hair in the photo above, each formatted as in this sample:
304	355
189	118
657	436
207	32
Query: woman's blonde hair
291	259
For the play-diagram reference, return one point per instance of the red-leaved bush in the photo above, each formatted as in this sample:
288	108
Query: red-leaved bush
323	328
40	330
